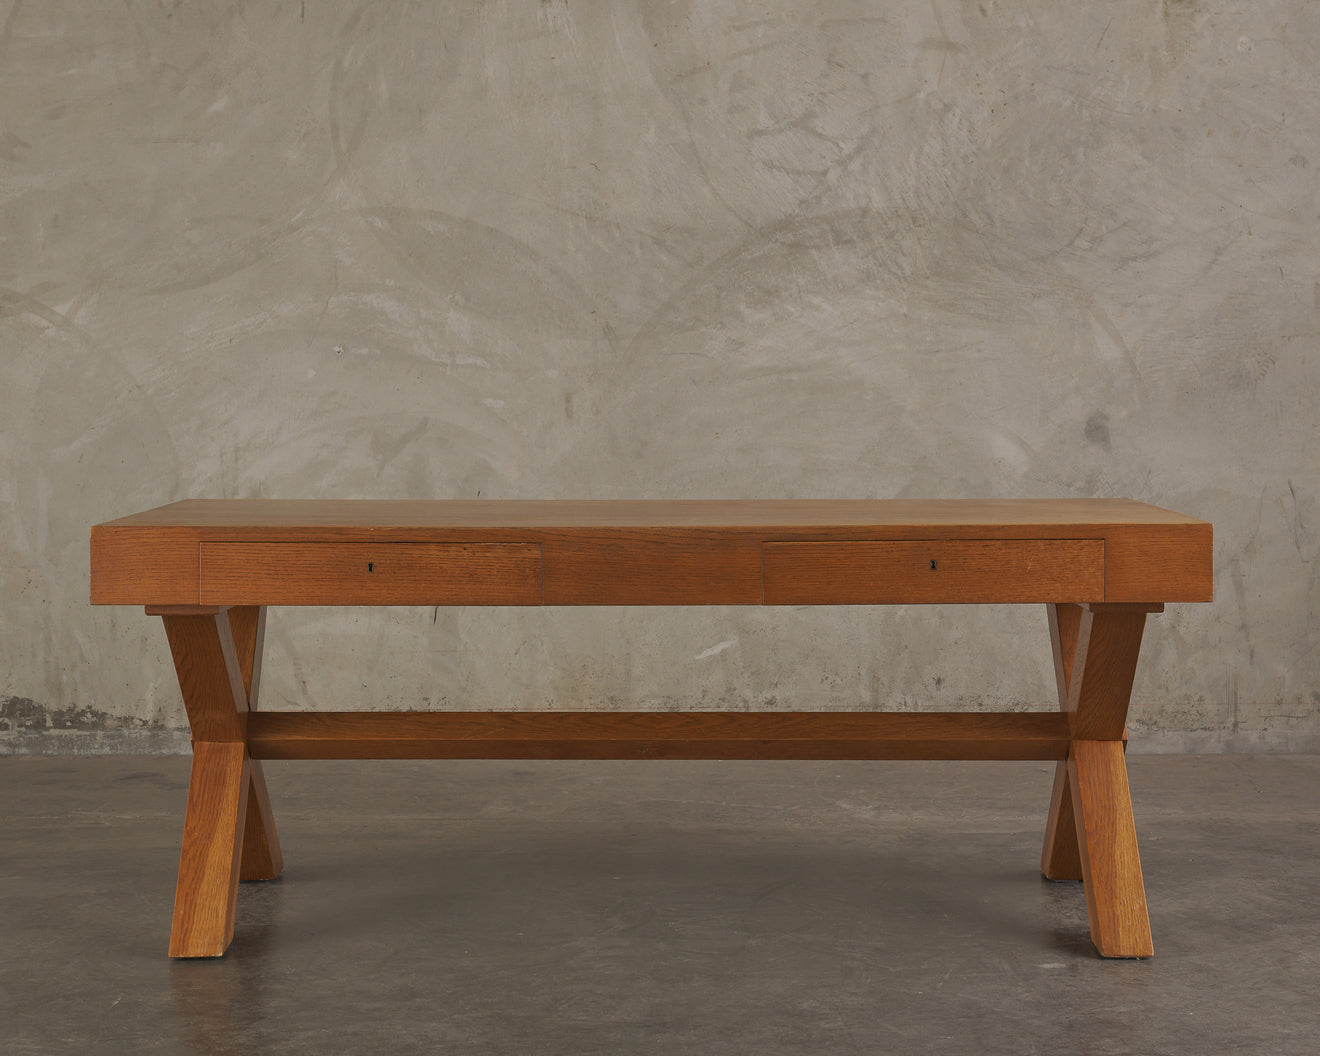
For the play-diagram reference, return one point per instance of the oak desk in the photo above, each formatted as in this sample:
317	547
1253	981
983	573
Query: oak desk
210	568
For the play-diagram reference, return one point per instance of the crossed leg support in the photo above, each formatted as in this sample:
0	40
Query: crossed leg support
229	831
1090	833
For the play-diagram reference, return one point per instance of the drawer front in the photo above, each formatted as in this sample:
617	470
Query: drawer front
652	572
915	571
370	574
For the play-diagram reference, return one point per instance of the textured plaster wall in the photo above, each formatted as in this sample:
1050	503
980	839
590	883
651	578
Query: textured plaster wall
611	249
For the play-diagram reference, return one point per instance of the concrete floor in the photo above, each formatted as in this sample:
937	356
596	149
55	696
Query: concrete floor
619	908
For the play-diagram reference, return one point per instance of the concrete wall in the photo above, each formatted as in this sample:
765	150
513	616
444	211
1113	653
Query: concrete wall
665	248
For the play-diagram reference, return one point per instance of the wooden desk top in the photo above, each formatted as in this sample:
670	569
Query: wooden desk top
653	551
312	517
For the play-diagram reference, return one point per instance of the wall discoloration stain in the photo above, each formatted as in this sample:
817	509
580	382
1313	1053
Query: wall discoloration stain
1097	430
23	715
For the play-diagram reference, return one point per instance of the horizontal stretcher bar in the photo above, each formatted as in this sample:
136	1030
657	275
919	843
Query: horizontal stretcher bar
657	735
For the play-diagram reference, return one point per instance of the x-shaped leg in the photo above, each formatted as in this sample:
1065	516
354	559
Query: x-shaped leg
229	831
1090	835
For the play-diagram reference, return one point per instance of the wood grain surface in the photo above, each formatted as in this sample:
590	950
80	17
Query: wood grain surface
1107	839
657	735
628	570
207	886
331	515
210	675
261	857
377	573
659	549
1061	858
933	571
1103	669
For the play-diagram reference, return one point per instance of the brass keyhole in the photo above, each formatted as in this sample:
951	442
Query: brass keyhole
371	566
932	564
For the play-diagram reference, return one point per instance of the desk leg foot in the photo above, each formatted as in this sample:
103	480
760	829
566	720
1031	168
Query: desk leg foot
212	847
1061	858
229	831
1107	840
262	859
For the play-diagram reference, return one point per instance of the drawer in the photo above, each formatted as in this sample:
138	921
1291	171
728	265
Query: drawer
370	574
917	571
